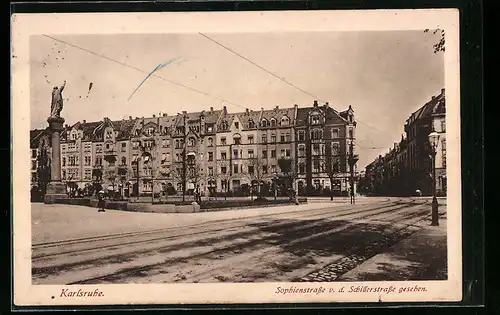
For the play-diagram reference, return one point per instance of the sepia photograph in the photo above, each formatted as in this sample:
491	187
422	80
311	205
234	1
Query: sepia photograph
310	160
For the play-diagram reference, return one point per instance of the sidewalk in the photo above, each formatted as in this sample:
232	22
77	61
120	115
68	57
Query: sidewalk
422	256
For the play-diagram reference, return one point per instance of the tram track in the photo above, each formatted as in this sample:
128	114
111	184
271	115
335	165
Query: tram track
159	234
249	244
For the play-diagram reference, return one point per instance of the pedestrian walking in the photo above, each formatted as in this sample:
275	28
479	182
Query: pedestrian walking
101	202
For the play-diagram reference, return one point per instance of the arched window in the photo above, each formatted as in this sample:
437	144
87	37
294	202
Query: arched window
191	142
264	123
210	142
251	124
285	121
273	122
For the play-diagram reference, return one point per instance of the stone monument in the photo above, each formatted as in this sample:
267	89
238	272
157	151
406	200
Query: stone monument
56	189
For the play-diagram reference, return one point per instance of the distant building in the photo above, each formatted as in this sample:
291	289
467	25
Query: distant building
407	167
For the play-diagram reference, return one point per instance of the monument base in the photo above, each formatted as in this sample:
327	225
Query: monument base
55	190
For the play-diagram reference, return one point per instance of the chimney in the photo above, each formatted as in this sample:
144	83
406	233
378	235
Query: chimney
129	117
225	108
315	104
277	107
211	109
247	111
184	112
433	97
66	126
327	104
442	91
154	116
164	115
84	121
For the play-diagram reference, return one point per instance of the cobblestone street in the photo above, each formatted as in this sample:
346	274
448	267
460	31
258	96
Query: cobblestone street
319	241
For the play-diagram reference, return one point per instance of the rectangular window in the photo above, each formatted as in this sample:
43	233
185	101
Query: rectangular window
273	138
264	154
287	137
316	166
33	154
302	135
250	154
250	169
250	139
351	133
64	174
235	154
235	169
223	156
33	165
335	133
223	170
273	154
282	138
124	146
443	125
237	141
282	153
236	125
264	138
302	168
210	156
223	141
64	161
302	150
335	148
315	149
210	171
88	161
287	152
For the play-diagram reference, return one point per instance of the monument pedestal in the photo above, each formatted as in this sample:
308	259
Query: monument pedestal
55	189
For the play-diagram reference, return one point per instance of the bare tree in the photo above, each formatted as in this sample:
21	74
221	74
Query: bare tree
440	46
223	173
191	175
332	168
257	170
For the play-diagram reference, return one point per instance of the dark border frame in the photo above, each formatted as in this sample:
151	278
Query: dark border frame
472	137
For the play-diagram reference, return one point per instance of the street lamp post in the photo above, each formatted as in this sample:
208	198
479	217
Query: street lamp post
433	140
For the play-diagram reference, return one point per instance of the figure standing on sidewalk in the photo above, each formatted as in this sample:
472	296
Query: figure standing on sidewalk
101	203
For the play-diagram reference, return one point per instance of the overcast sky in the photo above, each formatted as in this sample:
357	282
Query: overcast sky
384	76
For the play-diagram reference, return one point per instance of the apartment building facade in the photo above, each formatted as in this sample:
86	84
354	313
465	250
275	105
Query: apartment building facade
222	151
407	167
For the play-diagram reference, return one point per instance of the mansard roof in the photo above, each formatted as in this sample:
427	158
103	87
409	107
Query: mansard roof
277	113
246	116
331	115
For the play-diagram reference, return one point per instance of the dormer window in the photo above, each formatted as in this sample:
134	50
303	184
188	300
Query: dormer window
251	124
150	131
236	125
285	121
109	134
264	123
224	125
273	122
315	120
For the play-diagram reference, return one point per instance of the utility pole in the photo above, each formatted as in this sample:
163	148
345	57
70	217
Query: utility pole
184	164
351	165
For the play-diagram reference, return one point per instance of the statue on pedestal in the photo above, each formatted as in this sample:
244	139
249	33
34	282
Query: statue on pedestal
57	101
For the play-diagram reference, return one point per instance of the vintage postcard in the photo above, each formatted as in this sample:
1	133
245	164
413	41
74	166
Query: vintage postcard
236	157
